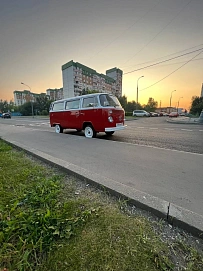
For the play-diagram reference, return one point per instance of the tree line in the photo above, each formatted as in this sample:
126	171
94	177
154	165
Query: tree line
42	104
130	106
40	107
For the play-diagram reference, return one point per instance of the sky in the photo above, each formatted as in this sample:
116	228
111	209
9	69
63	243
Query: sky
38	36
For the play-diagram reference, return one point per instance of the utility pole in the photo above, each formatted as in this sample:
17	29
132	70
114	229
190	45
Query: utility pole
137	91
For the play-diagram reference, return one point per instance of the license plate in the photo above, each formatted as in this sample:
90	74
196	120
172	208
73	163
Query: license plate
119	124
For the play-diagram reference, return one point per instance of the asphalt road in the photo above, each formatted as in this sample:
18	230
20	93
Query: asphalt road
154	131
166	173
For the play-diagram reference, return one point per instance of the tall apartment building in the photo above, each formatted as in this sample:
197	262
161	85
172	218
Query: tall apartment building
77	78
55	94
201	95
21	97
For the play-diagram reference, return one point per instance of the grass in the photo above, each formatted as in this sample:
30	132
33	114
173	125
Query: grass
49	221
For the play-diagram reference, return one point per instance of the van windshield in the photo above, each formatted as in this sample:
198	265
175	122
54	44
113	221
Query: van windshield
109	100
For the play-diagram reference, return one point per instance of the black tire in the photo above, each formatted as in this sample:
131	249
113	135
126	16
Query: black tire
109	133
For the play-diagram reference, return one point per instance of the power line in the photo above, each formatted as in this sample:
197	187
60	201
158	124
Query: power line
180	62
173	71
165	56
160	31
163	61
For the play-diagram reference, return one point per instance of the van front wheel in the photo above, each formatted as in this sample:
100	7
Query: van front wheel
58	129
89	131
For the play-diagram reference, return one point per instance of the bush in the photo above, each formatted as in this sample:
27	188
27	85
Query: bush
44	113
128	113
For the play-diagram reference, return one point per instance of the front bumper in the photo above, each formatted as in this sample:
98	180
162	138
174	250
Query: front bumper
117	128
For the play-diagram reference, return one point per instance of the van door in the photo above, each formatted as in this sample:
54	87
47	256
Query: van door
72	114
90	112
56	114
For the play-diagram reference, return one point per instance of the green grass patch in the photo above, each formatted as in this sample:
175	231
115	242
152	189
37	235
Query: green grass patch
49	221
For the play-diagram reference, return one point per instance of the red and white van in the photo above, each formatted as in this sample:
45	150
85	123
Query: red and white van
93	113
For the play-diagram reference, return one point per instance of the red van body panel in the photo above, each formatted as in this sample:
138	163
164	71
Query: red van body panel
94	116
71	119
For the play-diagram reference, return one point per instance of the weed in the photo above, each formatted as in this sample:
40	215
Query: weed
50	223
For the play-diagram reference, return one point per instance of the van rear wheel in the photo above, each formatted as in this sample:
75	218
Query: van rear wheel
58	129
90	132
109	133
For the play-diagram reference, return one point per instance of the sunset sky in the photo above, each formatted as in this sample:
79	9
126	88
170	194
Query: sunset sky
38	36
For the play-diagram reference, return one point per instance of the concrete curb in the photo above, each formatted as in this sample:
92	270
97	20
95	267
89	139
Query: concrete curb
175	215
184	121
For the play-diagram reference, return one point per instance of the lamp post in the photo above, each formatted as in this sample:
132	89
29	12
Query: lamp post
30	99
178	103
170	101
137	91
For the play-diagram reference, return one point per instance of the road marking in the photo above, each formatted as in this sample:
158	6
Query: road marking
187	130
141	127
169	129
200	130
154	147
153	128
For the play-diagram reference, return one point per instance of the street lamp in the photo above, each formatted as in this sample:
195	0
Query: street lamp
178	103
170	101
137	91
30	99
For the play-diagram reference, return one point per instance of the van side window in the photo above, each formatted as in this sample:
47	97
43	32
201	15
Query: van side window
58	106
90	102
75	104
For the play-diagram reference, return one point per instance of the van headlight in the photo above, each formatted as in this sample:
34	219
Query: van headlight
110	119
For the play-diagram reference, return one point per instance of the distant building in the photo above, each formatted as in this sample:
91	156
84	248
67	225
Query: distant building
166	109
201	95
170	109
21	97
55	94
78	78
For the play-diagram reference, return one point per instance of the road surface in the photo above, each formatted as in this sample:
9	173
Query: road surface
167	173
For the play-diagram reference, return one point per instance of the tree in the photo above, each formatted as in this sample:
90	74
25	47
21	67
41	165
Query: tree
26	109
132	106
196	105
151	105
42	104
123	101
4	106
88	91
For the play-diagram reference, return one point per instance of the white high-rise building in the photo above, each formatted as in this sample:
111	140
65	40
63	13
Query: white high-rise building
78	79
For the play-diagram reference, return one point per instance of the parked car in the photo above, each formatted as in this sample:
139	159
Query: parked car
173	115
140	113
182	114
154	114
6	115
